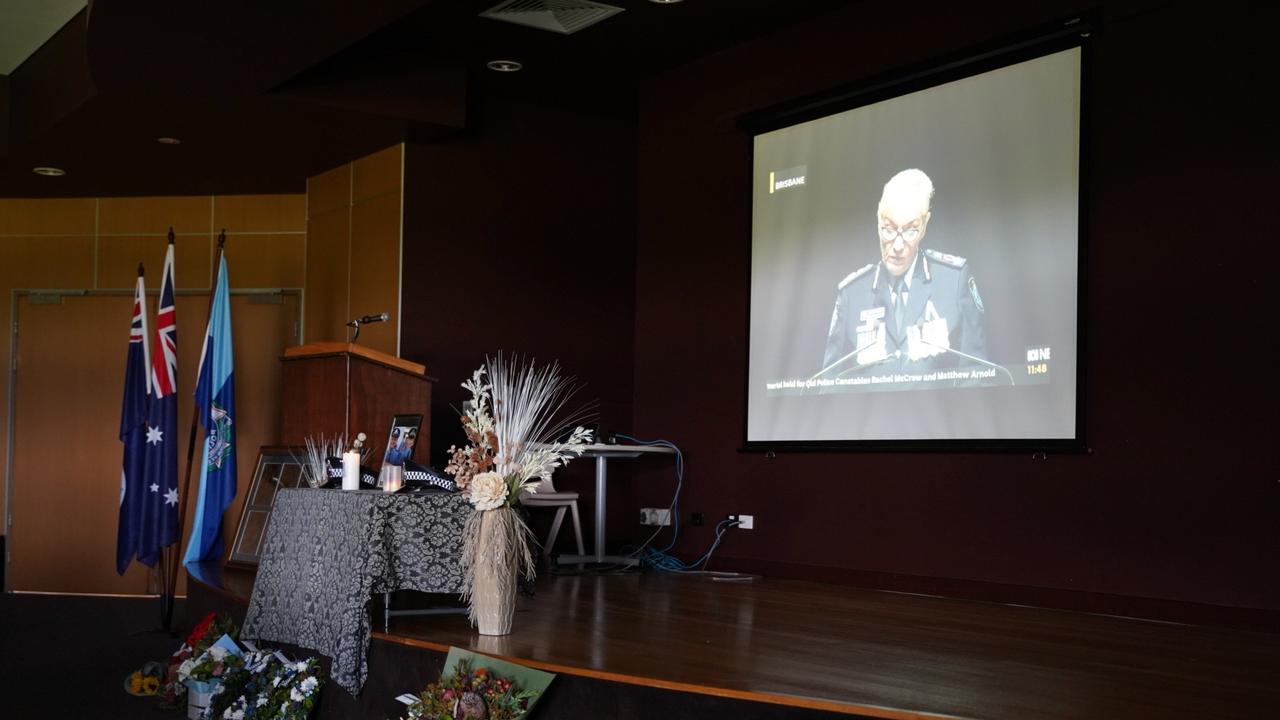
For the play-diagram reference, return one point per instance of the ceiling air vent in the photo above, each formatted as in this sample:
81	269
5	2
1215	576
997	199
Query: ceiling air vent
562	16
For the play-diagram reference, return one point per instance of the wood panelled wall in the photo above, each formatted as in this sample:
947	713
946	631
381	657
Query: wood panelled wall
353	255
340	243
96	244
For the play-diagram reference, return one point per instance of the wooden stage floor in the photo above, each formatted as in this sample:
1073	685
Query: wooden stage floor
867	652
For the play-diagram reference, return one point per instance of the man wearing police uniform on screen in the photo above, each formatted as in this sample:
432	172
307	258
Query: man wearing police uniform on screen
908	312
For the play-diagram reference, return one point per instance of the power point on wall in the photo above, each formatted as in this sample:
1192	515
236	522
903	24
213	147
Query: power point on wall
655	516
745	522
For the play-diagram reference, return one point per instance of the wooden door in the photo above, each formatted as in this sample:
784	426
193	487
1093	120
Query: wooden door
66	453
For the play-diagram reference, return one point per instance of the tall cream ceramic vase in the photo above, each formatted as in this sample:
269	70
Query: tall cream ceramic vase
493	595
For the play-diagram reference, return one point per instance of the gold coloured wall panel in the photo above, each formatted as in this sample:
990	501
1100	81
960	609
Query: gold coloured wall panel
92	243
118	259
328	249
329	190
375	268
376	174
26	216
353	249
266	260
155	215
67	459
260	213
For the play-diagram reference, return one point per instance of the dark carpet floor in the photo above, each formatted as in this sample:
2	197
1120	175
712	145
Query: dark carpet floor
68	657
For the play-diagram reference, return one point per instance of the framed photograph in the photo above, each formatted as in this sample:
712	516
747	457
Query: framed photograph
401	439
278	467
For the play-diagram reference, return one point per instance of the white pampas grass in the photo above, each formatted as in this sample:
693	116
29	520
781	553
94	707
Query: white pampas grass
315	466
528	417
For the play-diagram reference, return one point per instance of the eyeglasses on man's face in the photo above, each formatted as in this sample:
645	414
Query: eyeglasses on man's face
889	232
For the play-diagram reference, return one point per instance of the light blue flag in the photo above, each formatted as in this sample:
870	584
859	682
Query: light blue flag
216	399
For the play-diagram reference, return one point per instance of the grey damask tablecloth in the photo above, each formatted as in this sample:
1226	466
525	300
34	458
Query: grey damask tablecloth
328	551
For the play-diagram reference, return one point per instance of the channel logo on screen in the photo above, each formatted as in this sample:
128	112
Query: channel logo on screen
780	180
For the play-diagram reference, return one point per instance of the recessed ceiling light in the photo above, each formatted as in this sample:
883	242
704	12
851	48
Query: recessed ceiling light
49	171
665	2
504	66
168	141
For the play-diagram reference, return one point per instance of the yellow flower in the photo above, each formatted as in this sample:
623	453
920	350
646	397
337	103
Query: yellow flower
135	682
151	685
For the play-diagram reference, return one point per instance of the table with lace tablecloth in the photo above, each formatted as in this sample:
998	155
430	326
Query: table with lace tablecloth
328	551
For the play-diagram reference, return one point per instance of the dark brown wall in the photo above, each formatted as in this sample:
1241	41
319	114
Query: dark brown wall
521	238
1175	507
620	246
4	115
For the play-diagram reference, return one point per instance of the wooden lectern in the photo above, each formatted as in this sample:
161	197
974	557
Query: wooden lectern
333	388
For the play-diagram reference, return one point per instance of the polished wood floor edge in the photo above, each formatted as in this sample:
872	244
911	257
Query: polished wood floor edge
92	595
212	584
1129	607
770	698
213	587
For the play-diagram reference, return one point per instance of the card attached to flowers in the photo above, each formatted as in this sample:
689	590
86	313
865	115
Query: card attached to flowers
202	673
479	686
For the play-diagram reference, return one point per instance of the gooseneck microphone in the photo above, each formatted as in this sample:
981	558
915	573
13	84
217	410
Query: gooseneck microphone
366	320
369	319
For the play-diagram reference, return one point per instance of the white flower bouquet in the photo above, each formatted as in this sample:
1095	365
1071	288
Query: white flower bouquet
519	433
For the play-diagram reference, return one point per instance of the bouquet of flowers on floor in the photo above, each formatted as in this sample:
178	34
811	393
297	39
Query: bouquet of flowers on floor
513	448
202	636
146	681
223	657
267	687
478	687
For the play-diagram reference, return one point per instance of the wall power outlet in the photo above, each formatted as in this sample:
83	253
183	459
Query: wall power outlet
655	516
745	522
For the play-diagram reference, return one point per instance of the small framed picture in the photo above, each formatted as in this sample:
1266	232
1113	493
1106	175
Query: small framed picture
401	439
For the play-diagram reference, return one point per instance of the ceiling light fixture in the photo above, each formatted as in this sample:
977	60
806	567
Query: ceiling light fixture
49	171
168	141
505	66
665	2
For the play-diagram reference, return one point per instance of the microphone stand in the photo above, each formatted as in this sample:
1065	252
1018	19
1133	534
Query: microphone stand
859	366
974	358
364	320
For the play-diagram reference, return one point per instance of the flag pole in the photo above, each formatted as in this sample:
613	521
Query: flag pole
172	569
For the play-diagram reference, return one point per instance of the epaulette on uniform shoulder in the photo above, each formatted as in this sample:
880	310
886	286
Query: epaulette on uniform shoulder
945	258
855	275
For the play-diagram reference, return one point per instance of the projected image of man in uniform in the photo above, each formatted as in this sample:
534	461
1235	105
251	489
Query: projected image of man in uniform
914	311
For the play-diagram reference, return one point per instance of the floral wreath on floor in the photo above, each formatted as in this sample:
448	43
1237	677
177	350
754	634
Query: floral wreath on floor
267	687
211	666
467	694
204	634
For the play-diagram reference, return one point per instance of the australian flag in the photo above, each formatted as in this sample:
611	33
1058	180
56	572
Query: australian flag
133	426
160	496
215	398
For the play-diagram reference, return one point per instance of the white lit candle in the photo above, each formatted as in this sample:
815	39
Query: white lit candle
394	478
351	470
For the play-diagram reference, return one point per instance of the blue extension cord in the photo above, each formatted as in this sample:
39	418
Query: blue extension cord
661	559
